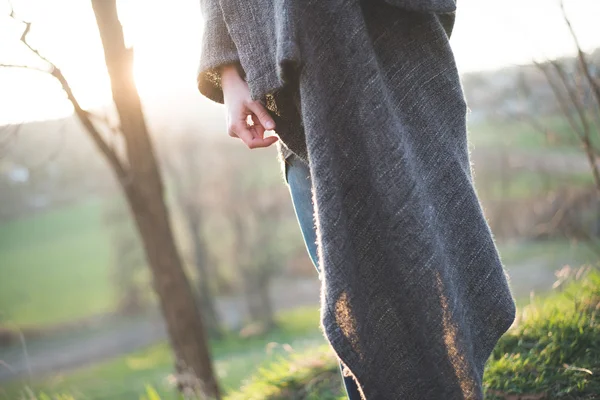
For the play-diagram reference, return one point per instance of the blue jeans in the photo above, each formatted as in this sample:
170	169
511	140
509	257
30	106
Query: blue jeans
298	178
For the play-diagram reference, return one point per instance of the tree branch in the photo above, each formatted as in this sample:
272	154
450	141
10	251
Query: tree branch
30	67
595	86
584	64
588	146
562	102
23	37
82	115
575	101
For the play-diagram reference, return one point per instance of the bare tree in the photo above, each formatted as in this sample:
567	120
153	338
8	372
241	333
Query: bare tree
128	258
256	255
185	170
257	250
139	177
577	93
571	91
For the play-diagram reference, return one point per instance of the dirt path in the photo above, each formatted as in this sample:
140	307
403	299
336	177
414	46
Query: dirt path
78	349
66	352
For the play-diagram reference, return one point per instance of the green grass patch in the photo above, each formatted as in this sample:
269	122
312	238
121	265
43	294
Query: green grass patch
55	266
553	353
313	375
523	135
528	184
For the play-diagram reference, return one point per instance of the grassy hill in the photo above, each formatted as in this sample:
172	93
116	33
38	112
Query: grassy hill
553	352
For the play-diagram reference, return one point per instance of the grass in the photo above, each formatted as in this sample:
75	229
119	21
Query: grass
130	376
527	184
312	375
553	353
522	135
55	266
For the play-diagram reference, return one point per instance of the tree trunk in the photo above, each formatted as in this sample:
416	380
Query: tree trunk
187	183
127	258
144	193
258	299
205	295
268	316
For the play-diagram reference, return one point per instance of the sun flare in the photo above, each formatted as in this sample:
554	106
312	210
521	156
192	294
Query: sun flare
166	37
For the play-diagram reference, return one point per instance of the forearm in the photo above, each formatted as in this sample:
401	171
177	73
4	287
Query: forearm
231	71
217	51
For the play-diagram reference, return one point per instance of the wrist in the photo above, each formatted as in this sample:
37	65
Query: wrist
229	73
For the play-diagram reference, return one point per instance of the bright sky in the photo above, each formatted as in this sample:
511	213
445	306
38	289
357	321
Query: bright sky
166	33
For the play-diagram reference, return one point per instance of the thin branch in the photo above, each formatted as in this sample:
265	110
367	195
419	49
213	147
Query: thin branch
524	91
30	67
588	100
23	40
584	64
538	126
104	119
582	132
562	102
83	115
577	104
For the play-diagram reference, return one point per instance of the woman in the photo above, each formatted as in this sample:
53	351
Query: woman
367	102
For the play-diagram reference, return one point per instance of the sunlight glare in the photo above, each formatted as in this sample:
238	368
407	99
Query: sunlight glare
166	40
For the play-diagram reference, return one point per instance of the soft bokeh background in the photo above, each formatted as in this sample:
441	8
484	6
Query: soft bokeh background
77	311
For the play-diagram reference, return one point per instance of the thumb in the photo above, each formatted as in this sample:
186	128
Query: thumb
262	114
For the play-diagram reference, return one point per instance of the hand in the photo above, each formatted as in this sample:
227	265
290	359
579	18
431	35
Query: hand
239	105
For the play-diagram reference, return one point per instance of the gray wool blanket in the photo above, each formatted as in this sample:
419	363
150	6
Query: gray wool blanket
414	296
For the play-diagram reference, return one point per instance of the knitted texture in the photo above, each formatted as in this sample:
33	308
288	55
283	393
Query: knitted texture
414	296
217	50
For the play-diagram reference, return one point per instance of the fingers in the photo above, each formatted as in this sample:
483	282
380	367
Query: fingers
268	141
251	137
263	115
254	136
260	130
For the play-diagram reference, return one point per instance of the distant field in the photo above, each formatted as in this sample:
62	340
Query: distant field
553	253
55	266
527	184
523	134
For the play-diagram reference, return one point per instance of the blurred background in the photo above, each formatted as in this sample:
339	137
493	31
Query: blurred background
78	311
